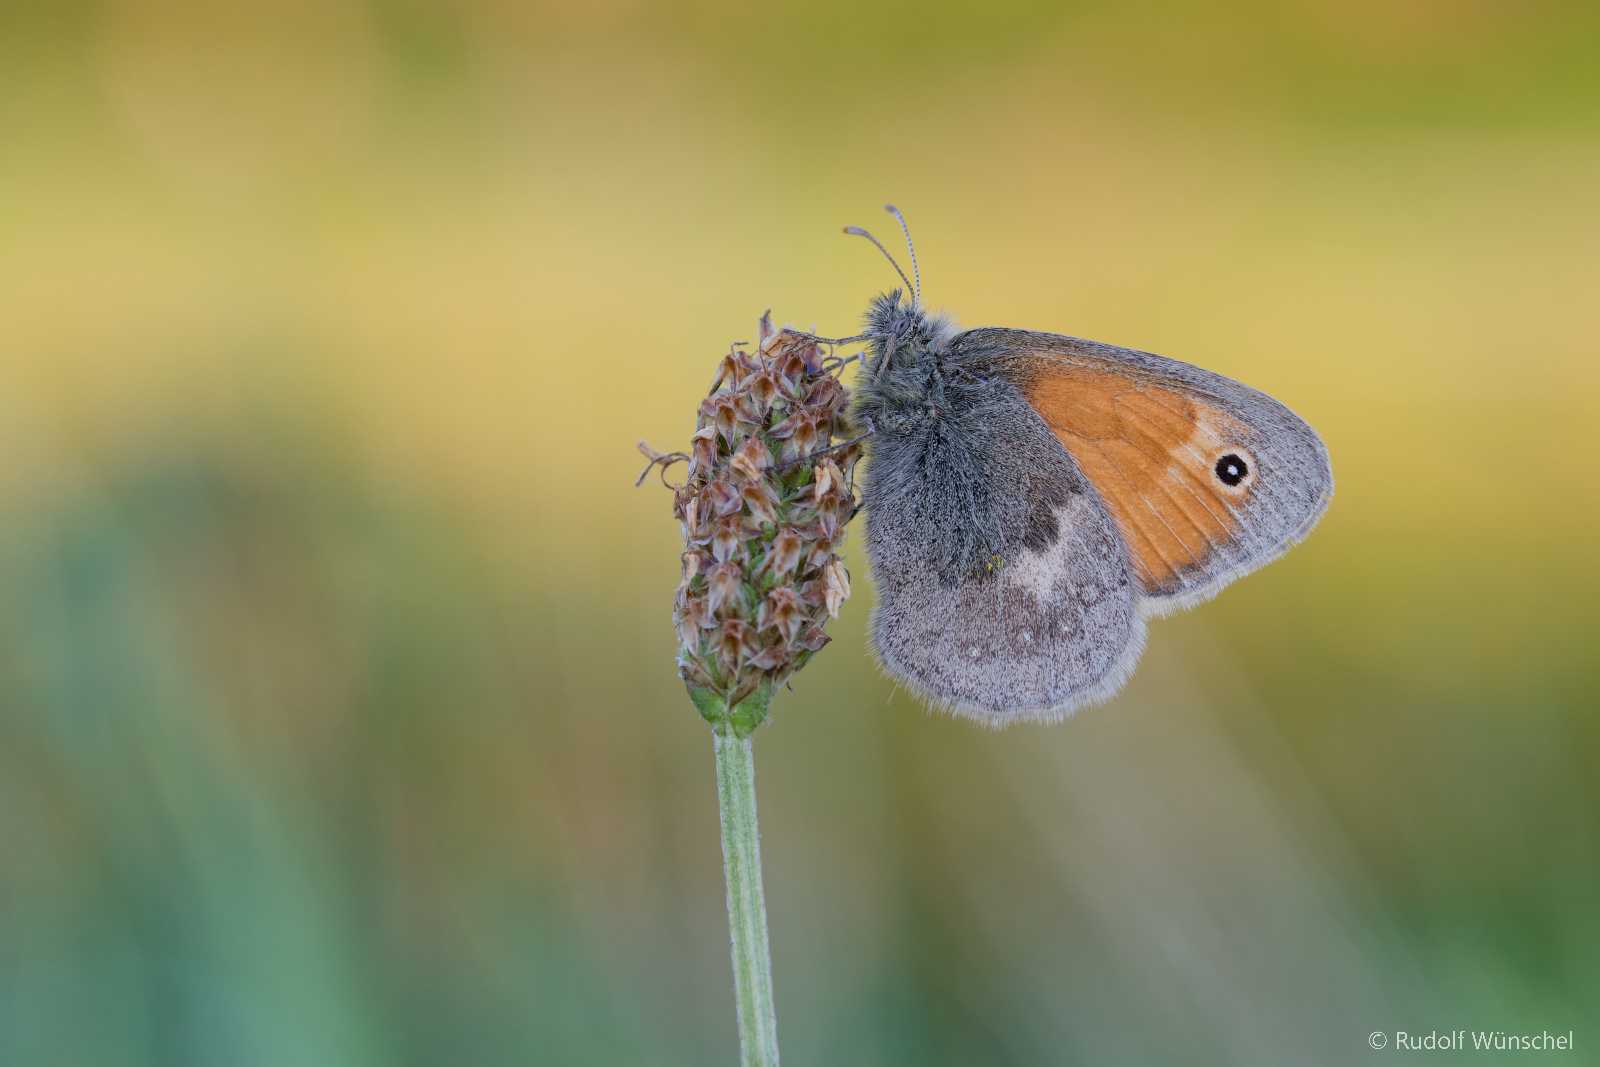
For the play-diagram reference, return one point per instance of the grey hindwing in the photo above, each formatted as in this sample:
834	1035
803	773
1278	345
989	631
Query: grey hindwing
1294	476
1003	590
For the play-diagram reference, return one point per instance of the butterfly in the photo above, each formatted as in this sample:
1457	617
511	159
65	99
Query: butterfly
1032	499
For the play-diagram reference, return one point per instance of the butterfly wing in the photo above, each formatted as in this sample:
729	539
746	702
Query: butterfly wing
1205	478
1003	590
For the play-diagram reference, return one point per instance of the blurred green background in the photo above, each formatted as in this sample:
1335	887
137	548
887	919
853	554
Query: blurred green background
338	721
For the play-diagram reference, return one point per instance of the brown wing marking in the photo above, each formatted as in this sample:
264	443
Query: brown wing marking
1151	453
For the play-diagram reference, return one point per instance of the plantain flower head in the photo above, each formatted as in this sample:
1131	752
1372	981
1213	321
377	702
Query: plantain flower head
763	511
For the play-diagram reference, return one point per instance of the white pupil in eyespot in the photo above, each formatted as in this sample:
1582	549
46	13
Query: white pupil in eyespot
1231	469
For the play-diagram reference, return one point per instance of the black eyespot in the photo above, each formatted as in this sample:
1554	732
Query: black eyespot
1231	469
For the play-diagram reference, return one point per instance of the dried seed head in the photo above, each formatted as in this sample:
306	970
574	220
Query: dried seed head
835	586
751	458
723	496
760	499
724	582
762	513
786	550
782	609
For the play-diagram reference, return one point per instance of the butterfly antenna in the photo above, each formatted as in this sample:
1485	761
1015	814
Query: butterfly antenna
891	209
859	232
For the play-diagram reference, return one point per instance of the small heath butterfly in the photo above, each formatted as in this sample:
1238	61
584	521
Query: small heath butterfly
1032	499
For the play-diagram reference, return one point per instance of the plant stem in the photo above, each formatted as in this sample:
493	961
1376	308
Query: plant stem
747	908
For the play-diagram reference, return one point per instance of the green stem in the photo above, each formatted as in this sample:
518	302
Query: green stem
747	908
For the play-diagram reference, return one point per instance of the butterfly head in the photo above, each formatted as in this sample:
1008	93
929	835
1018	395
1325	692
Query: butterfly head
901	332
900	383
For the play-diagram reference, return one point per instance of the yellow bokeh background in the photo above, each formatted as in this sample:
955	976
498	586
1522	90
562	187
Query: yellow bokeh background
338	721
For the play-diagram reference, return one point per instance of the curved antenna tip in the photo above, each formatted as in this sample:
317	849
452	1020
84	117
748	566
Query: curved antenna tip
857	231
910	249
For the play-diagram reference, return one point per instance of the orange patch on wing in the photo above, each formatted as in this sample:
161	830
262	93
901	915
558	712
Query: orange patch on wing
1150	453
